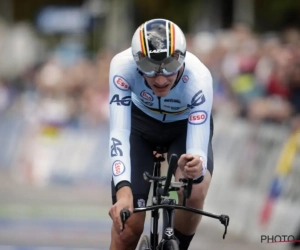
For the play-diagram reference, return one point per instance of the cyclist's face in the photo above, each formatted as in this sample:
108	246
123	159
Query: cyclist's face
161	84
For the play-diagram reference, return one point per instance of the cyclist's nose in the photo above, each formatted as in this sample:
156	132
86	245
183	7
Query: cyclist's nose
161	80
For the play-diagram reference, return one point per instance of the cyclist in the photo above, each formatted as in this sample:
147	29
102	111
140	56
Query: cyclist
160	94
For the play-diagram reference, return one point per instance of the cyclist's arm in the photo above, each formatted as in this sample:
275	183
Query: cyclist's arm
120	123
198	133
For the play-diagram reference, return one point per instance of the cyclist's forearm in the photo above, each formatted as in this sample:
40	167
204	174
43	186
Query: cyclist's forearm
124	192
119	155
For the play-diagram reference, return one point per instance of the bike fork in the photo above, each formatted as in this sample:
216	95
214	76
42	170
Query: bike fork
168	224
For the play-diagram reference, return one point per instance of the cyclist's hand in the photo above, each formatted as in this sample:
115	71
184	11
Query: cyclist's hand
124	201
190	165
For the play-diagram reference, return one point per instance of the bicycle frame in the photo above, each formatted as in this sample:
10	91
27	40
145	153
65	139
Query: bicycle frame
168	212
161	200
155	212
168	209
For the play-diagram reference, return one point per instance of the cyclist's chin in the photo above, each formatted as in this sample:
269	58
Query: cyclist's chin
161	93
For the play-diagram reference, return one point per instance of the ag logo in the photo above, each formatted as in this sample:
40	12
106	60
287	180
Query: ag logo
121	83
198	117
125	101
118	168
146	95
197	100
115	150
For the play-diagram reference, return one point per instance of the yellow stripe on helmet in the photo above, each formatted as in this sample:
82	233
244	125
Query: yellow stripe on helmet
142	40
172	37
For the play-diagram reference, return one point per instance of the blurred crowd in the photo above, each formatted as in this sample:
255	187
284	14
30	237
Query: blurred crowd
256	76
59	95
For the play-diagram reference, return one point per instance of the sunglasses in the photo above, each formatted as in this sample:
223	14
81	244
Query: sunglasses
163	73
167	67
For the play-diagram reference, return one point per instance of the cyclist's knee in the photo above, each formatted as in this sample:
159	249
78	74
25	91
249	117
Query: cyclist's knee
196	199
199	193
133	229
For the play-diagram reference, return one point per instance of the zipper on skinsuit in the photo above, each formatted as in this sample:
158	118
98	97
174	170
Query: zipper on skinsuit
159	107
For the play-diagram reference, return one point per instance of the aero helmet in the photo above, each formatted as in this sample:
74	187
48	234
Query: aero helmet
158	47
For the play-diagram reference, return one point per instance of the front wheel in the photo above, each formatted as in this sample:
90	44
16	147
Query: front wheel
170	245
144	243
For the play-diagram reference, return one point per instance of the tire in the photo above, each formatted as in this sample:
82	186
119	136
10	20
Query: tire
144	243
170	245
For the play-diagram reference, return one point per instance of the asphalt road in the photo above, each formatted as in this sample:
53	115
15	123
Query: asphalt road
65	218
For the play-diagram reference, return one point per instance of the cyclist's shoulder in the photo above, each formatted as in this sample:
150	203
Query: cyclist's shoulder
198	75
123	68
195	67
123	61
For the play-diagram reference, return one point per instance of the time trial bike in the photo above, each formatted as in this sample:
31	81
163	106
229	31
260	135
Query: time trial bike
161	200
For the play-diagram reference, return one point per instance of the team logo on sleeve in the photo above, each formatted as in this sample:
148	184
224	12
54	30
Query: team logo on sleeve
198	117
197	100
146	95
121	83
124	101
115	149
118	168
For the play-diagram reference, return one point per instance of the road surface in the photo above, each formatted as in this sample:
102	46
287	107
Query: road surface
76	218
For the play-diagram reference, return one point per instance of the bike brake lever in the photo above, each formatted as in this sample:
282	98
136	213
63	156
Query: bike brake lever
224	219
125	213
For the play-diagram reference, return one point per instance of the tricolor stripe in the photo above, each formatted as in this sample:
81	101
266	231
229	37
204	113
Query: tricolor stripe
165	112
171	38
142	40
